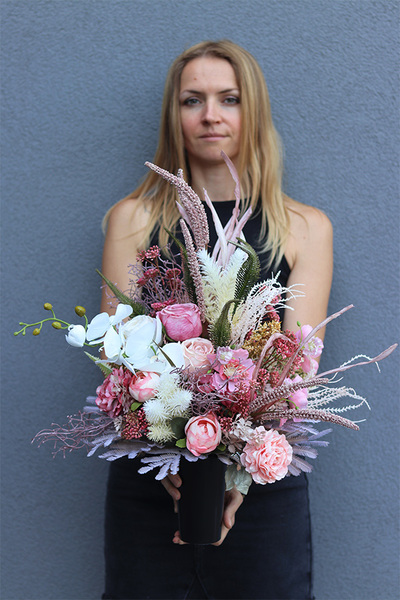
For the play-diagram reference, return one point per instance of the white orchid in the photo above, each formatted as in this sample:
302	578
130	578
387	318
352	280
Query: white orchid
164	360
76	336
102	323
133	343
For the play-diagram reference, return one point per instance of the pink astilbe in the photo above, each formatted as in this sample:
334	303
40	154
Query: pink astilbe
193	209
269	397
311	414
194	269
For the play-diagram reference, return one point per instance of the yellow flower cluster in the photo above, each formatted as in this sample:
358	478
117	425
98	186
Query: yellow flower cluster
257	340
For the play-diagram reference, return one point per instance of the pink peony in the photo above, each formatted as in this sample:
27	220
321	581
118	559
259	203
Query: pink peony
314	346
267	456
112	394
309	366
143	386
203	434
181	321
195	353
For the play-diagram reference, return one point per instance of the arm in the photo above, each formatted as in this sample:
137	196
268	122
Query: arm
310	256
123	239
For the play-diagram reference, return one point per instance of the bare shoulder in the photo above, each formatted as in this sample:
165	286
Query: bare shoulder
307	221
310	230
127	217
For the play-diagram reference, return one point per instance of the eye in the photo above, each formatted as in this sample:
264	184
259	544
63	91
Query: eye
192	101
232	100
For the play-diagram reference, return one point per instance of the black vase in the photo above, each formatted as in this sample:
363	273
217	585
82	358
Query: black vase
202	500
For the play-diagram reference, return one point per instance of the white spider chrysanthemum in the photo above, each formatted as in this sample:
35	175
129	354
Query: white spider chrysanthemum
160	433
218	283
178	404
155	411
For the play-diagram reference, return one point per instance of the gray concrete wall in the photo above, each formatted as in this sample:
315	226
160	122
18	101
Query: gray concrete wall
82	86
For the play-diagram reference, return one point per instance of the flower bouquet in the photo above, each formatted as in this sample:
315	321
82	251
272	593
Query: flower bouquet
196	366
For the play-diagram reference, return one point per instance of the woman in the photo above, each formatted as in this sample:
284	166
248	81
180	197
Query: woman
216	99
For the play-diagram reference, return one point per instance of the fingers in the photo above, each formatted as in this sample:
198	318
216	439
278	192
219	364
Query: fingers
171	484
233	499
177	539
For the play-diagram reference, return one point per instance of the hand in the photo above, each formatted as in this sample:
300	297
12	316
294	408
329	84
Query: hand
233	499
171	484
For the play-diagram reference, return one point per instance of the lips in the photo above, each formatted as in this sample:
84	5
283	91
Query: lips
212	136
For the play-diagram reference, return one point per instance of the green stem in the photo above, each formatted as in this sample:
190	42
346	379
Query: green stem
40	324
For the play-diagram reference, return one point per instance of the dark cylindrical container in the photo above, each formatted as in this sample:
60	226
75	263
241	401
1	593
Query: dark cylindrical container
202	500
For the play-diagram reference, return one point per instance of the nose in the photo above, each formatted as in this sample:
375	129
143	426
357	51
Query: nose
211	112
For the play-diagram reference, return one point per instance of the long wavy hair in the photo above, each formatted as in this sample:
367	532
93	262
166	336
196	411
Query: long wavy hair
260	156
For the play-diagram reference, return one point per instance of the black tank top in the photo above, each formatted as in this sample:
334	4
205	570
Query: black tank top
251	233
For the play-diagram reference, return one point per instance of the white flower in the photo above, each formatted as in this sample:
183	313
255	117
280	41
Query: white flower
102	322
155	411
160	432
141	337
161	361
133	343
178	403
76	335
167	385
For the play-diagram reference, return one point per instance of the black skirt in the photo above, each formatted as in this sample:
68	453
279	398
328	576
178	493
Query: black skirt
266	555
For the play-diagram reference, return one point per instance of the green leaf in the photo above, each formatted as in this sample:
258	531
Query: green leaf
248	273
138	309
178	427
135	405
221	448
181	443
220	331
105	369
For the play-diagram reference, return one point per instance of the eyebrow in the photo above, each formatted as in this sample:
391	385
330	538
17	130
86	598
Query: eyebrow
220	92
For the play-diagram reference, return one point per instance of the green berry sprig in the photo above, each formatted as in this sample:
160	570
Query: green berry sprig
55	322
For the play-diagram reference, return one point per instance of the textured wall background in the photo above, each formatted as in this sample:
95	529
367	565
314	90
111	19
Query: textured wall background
82	87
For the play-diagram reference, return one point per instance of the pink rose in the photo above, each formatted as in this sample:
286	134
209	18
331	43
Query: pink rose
203	434
267	456
143	386
195	352
181	321
112	394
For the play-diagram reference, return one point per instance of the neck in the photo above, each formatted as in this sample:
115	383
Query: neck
215	179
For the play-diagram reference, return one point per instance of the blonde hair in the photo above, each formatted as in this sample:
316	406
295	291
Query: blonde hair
260	157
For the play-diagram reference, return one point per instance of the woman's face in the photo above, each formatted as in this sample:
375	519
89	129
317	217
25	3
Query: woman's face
210	112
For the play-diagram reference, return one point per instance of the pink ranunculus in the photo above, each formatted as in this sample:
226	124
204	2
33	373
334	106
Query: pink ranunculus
112	394
195	353
267	456
143	386
203	434
181	321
